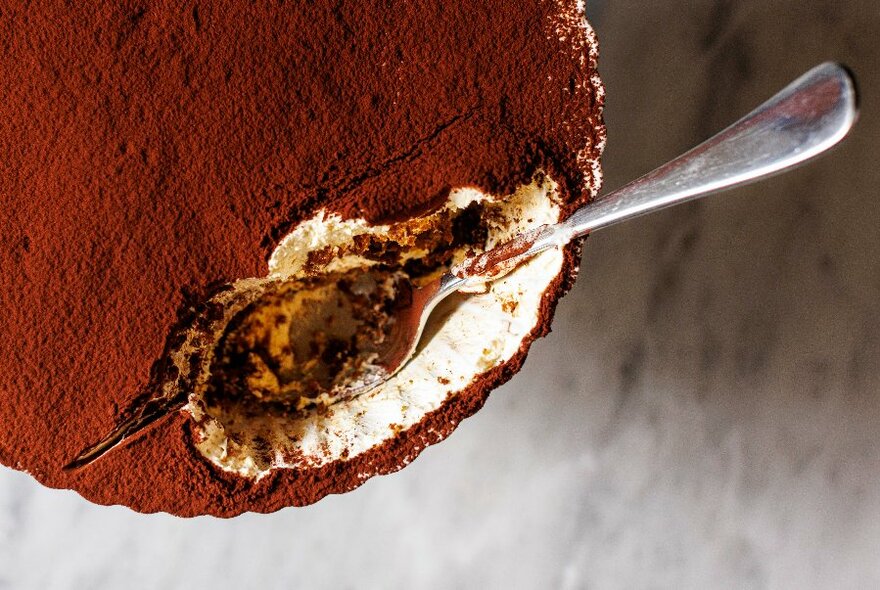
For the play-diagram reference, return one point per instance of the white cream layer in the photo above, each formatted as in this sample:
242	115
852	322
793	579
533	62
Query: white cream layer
476	335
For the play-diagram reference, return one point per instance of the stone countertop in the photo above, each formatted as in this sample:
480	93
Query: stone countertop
706	412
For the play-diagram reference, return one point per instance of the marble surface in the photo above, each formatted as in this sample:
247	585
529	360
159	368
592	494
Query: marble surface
706	412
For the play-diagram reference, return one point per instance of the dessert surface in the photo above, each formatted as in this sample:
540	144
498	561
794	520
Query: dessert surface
155	155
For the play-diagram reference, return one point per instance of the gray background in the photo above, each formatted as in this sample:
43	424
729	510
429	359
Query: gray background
705	414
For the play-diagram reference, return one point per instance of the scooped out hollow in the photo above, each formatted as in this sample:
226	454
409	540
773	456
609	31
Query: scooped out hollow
250	424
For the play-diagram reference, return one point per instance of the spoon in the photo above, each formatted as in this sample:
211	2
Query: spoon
806	118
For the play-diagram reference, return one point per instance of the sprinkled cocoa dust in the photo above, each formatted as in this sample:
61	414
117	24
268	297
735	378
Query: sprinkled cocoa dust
153	152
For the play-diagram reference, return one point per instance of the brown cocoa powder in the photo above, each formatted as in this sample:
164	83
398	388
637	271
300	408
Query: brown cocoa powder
153	150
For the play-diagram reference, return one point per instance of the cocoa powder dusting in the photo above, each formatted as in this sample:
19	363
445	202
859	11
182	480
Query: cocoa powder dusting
151	152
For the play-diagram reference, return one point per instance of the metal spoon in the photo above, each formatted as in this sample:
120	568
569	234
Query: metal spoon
806	118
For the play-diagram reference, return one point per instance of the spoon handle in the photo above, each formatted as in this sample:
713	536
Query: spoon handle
807	117
803	120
